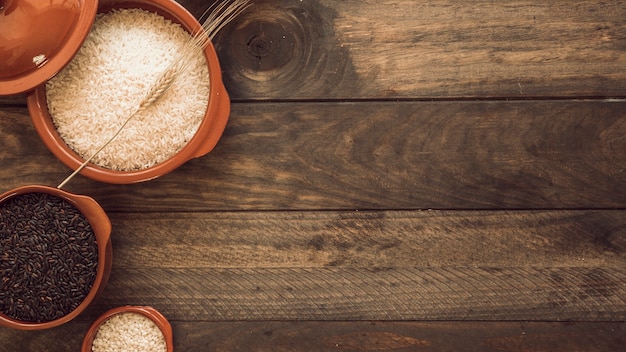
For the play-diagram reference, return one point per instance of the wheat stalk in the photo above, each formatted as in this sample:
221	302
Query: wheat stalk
219	15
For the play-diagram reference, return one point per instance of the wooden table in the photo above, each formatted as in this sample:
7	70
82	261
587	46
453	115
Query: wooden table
395	175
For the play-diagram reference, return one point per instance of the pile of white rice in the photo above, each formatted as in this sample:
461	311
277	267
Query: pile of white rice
104	84
126	332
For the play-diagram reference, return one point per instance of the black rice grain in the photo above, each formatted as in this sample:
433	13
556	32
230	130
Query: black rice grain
49	257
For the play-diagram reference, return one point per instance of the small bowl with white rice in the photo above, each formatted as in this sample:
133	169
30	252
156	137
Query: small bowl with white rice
130	43
129	328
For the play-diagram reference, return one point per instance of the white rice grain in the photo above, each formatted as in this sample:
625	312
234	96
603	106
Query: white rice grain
102	86
129	332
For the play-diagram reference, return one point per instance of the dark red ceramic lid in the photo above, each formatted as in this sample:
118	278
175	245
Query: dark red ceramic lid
38	38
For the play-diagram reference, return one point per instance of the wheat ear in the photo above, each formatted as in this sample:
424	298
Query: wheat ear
219	17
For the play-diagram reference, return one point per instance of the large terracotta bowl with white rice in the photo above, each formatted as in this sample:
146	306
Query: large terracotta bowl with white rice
130	43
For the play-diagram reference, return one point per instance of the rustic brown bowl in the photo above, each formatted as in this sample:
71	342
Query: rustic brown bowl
205	139
39	38
101	226
149	312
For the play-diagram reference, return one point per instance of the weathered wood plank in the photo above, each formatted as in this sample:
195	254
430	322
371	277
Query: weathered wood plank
346	293
377	336
231	236
370	239
424	49
67	337
16	100
438	265
283	50
278	336
405	155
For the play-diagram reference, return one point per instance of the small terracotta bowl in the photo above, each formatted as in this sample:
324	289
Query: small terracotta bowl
205	139
101	227
149	312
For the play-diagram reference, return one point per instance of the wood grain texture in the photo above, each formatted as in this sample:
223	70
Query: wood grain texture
353	336
346	293
395	175
403	155
65	338
393	336
424	49
284	50
16	100
370	239
396	265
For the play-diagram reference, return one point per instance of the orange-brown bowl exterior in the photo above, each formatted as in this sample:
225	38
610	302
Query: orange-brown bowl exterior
101	226
32	25
149	312
205	139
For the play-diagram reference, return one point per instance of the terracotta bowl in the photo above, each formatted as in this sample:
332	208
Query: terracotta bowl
39	38
101	226
149	312
205	139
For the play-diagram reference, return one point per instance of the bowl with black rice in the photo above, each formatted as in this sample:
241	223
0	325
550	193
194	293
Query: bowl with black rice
55	256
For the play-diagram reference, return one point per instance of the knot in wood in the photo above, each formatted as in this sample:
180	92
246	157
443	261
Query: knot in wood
259	46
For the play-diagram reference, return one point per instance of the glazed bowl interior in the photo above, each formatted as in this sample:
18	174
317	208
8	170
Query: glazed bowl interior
39	38
155	316
101	227
204	140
